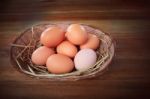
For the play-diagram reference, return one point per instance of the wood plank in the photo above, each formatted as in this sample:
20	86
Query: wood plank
127	21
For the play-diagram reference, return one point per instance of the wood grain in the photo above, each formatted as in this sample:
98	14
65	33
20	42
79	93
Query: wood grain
127	21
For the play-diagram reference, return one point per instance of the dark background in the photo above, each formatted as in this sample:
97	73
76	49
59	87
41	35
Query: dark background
128	21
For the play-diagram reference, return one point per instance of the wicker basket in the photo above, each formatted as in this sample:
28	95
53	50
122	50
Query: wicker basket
28	41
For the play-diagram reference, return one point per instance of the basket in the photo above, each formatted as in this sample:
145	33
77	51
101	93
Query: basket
28	41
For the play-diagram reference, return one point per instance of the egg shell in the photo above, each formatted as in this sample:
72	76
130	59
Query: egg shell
67	48
59	64
76	34
93	42
40	55
85	59
52	36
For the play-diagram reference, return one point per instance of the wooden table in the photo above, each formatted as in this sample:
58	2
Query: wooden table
127	21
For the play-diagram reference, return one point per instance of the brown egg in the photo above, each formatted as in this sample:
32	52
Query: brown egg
59	64
67	48
40	55
76	34
92	43
52	36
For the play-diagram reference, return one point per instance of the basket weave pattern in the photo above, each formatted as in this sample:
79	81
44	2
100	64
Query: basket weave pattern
24	45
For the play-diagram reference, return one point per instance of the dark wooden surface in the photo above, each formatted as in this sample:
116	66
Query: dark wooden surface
127	21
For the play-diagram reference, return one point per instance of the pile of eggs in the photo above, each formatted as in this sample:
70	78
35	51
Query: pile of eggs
64	51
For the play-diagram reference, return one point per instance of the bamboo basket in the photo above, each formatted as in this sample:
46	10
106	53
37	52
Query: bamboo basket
28	41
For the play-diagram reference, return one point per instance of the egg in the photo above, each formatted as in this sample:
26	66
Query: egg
67	48
40	55
92	42
52	36
76	34
85	59
59	64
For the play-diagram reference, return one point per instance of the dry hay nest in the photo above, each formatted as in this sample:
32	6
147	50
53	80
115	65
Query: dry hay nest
28	41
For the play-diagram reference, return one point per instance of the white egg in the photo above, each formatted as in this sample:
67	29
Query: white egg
85	59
